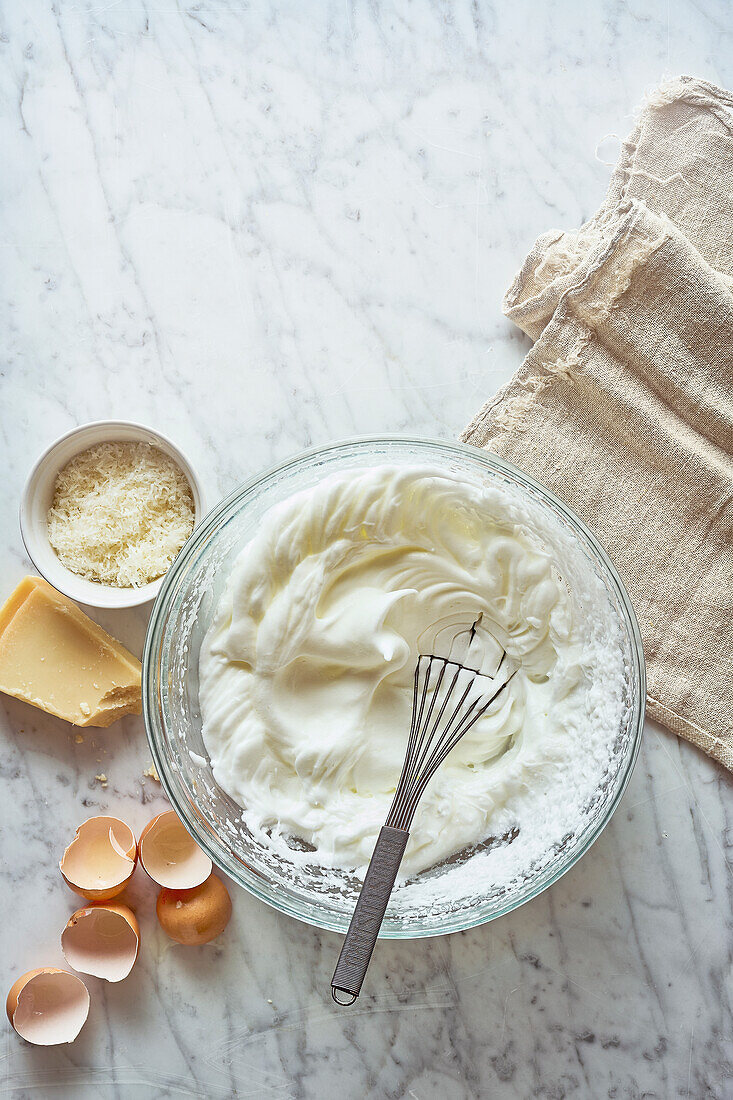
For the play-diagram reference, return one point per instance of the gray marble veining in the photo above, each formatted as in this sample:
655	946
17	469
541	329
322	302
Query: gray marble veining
262	226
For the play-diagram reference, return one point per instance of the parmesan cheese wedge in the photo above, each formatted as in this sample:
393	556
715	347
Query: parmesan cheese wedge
54	657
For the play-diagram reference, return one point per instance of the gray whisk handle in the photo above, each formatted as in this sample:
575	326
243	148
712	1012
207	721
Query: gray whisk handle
369	914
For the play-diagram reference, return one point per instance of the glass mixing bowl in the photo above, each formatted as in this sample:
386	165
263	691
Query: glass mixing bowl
178	624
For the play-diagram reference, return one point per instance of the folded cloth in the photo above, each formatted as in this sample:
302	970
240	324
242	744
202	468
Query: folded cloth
624	406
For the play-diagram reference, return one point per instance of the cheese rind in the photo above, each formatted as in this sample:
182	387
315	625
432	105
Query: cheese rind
54	657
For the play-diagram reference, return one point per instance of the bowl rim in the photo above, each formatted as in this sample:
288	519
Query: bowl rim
103	596
250	881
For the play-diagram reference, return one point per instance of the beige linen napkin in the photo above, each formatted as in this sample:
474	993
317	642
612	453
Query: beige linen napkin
624	406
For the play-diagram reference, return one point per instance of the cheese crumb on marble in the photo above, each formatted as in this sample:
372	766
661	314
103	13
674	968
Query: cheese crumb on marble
120	514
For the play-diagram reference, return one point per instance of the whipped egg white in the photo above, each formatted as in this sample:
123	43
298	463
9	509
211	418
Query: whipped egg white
306	673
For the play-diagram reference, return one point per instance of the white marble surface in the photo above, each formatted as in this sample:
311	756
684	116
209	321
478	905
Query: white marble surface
260	226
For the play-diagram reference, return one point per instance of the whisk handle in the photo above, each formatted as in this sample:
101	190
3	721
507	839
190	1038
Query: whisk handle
369	914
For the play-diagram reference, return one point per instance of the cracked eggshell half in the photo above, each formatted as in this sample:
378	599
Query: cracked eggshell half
170	855
48	1006
195	916
100	861
102	940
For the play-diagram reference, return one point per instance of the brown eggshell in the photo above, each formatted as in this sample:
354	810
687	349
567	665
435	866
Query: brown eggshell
170	855
48	1006
103	940
195	916
100	861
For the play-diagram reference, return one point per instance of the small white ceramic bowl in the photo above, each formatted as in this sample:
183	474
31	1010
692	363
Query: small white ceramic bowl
38	494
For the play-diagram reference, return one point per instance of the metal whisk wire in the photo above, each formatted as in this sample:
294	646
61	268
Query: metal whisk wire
429	744
433	734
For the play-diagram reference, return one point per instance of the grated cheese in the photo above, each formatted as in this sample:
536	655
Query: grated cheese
120	514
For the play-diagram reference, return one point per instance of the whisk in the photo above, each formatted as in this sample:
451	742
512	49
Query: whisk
448	698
